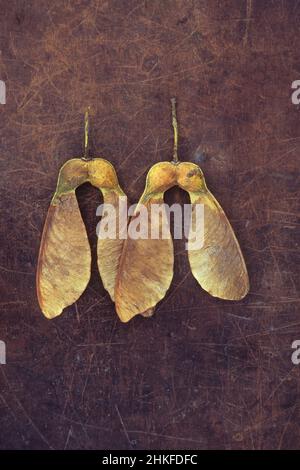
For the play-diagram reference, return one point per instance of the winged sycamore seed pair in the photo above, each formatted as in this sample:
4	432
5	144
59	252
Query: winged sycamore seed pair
137	273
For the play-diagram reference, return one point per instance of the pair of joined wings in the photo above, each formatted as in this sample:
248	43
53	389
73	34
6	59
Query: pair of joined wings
136	272
64	264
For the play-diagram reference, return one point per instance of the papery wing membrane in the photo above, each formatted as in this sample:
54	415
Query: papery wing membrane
218	265
64	264
109	249
146	266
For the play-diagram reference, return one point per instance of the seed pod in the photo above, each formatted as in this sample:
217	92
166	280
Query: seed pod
64	264
146	266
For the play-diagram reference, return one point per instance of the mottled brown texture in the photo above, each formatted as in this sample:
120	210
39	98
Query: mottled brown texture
202	372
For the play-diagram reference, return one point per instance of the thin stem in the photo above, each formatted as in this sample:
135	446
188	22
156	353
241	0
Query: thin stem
86	135
175	127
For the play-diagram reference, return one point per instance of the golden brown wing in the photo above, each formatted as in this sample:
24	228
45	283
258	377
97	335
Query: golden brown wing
218	266
109	250
146	266
64	264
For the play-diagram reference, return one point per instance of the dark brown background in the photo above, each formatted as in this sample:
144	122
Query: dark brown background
202	373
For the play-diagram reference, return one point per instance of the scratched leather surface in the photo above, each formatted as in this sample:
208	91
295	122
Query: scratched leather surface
202	373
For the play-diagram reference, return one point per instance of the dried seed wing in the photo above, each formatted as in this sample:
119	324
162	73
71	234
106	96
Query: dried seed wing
218	265
109	250
146	266
114	221
64	263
